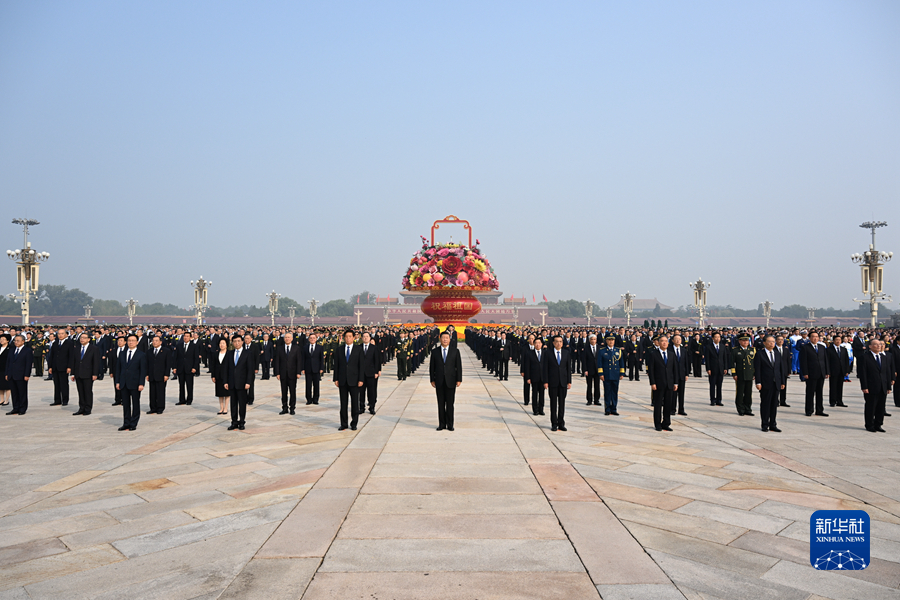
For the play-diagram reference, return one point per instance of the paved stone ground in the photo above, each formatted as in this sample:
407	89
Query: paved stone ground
501	508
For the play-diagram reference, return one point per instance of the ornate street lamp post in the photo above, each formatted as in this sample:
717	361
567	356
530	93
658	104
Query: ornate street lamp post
28	266
130	308
700	288
767	312
628	305
543	314
293	311
201	298
314	310
871	263
609	311
516	316
385	315
87	311
273	304
589	310
357	313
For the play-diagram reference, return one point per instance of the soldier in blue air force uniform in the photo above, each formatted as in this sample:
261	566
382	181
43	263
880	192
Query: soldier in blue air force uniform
611	368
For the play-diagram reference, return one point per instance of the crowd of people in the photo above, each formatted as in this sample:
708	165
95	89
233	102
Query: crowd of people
547	360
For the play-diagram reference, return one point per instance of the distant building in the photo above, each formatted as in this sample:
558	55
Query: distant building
641	305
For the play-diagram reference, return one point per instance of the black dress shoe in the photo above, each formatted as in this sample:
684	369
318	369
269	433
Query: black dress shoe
449	429
526	403
765	428
241	426
658	428
880	429
719	404
117	404
123	428
353	428
293	412
85	414
151	412
822	414
65	403
180	403
56	404
553	428
614	413
308	402
808	414
606	413
372	411
542	414
667	429
749	414
439	429
75	414
596	404
132	428
872	429
249	402
316	402
12	412
589	403
284	411
561	428
887	414
775	429
784	404
341	428
682	413
232	427
842	405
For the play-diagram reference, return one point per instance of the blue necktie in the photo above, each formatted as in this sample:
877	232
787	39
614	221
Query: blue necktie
878	360
665	357
445	355
82	353
237	354
558	359
348	354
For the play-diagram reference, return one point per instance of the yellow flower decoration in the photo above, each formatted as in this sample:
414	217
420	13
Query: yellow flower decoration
478	265
426	277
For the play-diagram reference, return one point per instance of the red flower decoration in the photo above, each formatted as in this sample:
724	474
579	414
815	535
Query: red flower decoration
451	265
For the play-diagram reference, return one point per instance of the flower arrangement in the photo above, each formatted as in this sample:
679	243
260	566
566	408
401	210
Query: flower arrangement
449	266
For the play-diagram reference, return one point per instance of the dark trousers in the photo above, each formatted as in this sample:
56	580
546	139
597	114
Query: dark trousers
446	396
19	393
288	389
401	366
875	409
836	390
814	393
250	396
312	387
697	366
715	387
118	392
60	387
186	387
768	405
679	395
662	406
743	396
349	396
557	395
537	397
526	390
158	395
503	368
634	370
266	364
610	395
369	391
131	407
238	405
592	382
782	396
85	387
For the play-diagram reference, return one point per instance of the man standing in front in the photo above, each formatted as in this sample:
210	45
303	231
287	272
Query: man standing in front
59	360
348	377
313	367
770	372
784	352
838	366
742	359
131	373
682	356
371	358
158	366
716	368
557	382
241	373
187	363
590	365
533	373
18	371
503	358
814	371
445	372
85	369
286	365
663	372
875	372
610	369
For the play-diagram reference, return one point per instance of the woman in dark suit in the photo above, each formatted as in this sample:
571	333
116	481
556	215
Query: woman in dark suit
4	356
218	369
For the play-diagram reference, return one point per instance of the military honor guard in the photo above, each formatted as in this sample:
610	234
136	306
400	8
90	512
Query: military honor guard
742	358
611	368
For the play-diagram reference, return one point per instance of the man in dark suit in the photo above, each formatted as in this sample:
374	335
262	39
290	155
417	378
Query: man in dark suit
287	365
814	371
371	373
18	371
158	366
664	373
131	374
876	373
591	374
85	368
784	352
445	372
838	366
313	367
503	351
557	376
187	363
112	359
348	377
717	365
59	360
252	350
770	371
684	358
266	351
239	373
533	372
527	347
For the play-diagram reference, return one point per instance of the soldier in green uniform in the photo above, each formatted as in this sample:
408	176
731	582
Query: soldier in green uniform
743	372
39	348
401	356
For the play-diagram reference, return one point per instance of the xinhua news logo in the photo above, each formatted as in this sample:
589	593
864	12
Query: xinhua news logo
839	540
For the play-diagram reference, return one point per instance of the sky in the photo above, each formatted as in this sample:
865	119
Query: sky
595	147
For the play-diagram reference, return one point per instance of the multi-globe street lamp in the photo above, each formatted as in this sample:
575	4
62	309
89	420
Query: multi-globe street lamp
700	288
273	304
871	264
28	266
628	305
201	298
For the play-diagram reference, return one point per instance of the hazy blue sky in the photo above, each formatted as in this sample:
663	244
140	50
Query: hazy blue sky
596	147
